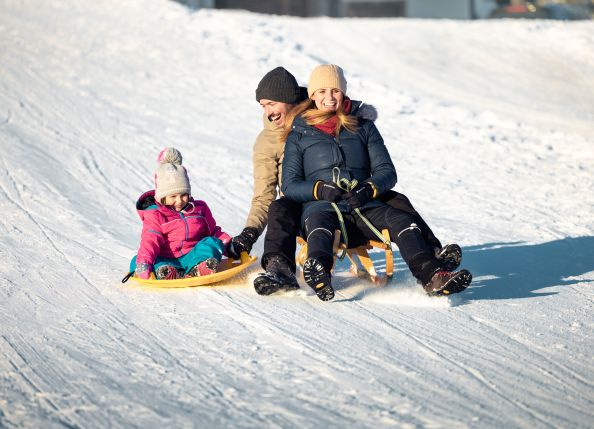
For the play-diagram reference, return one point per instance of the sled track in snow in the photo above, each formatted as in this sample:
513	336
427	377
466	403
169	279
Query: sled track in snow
471	372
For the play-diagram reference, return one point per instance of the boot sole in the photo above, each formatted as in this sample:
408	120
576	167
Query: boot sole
455	285
319	281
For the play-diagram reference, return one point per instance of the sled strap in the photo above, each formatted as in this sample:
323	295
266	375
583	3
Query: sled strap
127	277
347	186
344	232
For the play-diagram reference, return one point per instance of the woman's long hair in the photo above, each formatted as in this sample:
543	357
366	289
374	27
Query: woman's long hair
313	116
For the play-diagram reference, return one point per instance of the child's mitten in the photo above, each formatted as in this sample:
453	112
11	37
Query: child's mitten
143	270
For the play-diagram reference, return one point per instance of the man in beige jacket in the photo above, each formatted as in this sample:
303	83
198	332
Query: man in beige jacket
277	93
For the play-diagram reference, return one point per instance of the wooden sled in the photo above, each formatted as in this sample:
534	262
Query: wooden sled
227	269
358	253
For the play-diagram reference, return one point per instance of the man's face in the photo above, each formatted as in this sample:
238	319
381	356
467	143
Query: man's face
275	111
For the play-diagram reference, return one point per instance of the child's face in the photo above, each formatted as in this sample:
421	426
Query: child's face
177	201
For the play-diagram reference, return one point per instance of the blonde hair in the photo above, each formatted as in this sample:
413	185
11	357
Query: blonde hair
313	116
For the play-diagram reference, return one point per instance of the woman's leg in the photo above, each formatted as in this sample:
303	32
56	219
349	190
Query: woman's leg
449	255
319	231
415	251
401	202
407	235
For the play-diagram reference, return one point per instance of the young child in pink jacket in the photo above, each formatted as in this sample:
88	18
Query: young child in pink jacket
180	237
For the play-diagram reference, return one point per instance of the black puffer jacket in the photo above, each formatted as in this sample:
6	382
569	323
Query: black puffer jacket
311	155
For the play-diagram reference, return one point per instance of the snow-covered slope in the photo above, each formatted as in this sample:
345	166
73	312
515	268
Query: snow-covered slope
490	125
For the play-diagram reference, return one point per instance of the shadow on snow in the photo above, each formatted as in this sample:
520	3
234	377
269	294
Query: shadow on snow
518	270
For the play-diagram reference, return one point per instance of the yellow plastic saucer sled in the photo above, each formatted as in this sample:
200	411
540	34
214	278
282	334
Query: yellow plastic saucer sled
227	269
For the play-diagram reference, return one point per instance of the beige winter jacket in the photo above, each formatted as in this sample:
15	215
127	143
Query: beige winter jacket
267	166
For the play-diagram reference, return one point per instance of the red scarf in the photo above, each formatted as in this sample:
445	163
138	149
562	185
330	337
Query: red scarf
329	127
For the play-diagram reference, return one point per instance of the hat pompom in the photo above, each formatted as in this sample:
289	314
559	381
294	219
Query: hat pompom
170	155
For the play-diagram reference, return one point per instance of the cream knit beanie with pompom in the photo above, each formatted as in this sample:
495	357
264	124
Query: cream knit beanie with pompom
171	177
326	76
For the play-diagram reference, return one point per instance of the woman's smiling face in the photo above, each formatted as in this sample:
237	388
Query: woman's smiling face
328	99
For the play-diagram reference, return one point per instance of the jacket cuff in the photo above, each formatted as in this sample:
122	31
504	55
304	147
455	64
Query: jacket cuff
315	189
375	190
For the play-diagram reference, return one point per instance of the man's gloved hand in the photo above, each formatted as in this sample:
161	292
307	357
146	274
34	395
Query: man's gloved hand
243	242
328	191
358	196
143	270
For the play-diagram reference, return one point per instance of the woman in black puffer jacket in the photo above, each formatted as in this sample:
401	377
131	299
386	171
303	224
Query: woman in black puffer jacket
324	140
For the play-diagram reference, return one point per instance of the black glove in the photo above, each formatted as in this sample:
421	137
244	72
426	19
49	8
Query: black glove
243	242
328	191
358	196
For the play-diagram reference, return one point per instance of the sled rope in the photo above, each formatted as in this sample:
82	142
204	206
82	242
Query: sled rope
347	186
336	179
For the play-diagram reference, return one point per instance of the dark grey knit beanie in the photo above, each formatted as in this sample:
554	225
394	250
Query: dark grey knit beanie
280	85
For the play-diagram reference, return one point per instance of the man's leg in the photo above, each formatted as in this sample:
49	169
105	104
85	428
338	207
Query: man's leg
284	221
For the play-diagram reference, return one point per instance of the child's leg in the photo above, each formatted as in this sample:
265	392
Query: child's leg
159	262
170	262
207	248
172	268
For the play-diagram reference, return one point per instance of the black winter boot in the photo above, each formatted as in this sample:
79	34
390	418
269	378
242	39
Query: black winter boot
447	282
318	279
278	276
449	256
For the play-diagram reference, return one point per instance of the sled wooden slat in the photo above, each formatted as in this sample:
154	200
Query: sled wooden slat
361	253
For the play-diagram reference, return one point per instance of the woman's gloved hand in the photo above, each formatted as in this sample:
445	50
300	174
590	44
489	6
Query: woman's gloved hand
327	191
359	195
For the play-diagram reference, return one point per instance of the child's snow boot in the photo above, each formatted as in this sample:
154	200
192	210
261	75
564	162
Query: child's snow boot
168	272
449	256
204	268
318	279
447	282
278	276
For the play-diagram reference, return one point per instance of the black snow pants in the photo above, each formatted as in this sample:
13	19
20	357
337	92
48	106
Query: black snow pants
414	249
401	201
284	224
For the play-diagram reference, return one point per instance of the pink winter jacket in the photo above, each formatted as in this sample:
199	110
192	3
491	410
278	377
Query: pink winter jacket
170	234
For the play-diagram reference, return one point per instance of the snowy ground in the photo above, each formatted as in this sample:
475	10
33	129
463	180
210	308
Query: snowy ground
490	125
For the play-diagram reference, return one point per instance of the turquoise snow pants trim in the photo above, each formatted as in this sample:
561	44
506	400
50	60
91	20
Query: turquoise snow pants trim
208	247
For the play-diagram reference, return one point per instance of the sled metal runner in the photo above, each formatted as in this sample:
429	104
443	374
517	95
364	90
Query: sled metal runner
227	269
